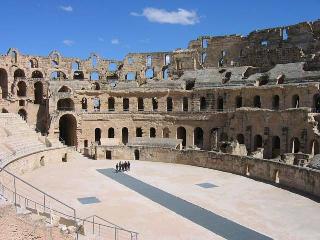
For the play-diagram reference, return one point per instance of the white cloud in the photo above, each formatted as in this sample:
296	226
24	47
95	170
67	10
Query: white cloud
181	16
115	41
66	8
68	42
100	39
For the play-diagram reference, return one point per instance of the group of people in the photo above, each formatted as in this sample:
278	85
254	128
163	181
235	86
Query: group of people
123	166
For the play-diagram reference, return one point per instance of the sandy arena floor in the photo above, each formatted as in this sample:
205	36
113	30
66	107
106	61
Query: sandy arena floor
163	201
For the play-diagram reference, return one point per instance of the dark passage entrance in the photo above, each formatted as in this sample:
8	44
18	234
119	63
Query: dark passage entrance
67	128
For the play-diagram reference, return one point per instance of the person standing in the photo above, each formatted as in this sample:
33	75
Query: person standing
117	167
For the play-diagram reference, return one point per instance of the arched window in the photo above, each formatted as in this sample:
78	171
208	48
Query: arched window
203	104
220	104
65	104
152	132
4	83
65	89
154	104
275	102
198	137
111	133
75	66
111	104
112	67
149	73
38	92
257	102
131	76
165	74
238	102
182	134
295	101
240	138
257	142
58	75
84	103
78	75
94	61
140	104
185	104
33	63
166	133
295	144
169	104
139	132
167	60
149	61
275	146
22	89
19	73
37	74
97	136
126	104
125	135
96	104
94	76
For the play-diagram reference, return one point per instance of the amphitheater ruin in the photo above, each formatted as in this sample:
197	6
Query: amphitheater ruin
245	105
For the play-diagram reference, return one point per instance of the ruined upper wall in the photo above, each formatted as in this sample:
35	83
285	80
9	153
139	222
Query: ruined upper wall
262	49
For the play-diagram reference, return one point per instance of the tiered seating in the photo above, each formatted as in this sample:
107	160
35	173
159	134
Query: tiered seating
16	138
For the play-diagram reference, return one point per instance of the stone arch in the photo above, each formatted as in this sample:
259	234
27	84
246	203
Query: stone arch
295	145
68	129
169	104
111	132
4	82
55	75
182	134
38	92
111	104
295	103
166	133
240	138
198	137
97	135
37	74
276	148
125	104
65	104
65	89
257	142
136	154
33	63
78	75
125	135
19	73
153	132
203	104
22	89
185	104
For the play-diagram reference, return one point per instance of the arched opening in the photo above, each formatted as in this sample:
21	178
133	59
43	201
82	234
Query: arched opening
75	66
148	61
96	104
257	102
97	136
139	132
33	63
166	133
111	133
111	104
68	129
140	104
58	75
38	92
112	67
84	103
152	132
240	138
314	147
131	76
154	104
4	110
19	73
126	104
65	104
203	104
136	154
198	137
125	135
14	56
37	74
295	101
275	102
238	102
94	76
169	104
94	61
185	104
78	75
275	146
96	86
165	74
23	114
65	89
257	142
22	89
295	145
220	104
149	73
182	134
316	103
4	82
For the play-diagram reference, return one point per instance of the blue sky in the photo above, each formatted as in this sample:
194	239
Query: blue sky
114	28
